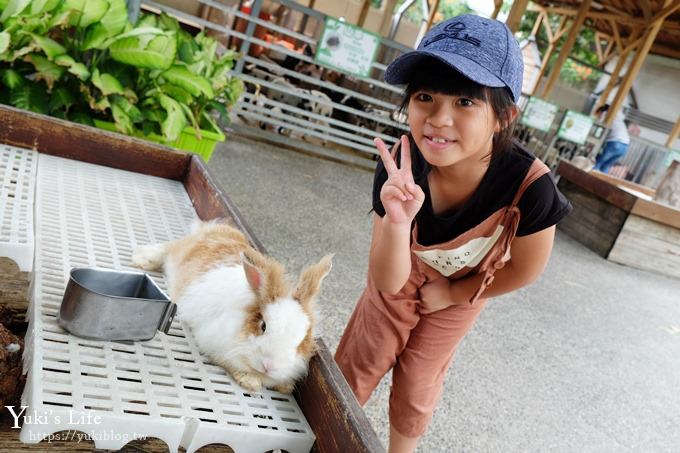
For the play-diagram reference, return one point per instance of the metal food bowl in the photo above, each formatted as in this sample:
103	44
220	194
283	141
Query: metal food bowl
103	304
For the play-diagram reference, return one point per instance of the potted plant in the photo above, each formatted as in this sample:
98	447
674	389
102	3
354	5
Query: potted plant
83	61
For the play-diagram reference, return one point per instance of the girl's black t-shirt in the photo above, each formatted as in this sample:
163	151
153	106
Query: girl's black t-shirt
541	206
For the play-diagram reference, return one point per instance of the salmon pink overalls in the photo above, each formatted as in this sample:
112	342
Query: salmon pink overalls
388	332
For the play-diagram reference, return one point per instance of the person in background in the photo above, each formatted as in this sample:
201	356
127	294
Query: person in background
616	143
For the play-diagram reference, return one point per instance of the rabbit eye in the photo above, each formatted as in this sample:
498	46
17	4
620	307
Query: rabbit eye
263	326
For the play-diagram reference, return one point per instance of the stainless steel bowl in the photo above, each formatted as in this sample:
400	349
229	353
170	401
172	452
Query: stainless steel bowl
105	304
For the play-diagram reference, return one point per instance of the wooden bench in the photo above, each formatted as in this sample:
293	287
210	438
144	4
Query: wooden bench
619	225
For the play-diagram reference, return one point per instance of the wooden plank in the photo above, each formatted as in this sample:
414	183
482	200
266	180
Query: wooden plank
648	245
609	192
593	222
87	144
622	182
658	212
332	410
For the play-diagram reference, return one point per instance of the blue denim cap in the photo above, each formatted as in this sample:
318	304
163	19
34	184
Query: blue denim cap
481	49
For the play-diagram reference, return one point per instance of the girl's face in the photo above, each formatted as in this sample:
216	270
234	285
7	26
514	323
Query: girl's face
451	129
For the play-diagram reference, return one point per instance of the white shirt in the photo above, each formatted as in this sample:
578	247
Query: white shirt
618	131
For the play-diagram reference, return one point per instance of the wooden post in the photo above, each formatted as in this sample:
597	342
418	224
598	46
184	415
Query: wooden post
635	66
674	134
518	9
614	77
364	12
553	37
497	5
433	11
566	48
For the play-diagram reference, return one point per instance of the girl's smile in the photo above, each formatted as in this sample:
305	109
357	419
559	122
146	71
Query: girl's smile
451	128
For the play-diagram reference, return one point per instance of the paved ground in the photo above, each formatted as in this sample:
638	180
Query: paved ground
585	360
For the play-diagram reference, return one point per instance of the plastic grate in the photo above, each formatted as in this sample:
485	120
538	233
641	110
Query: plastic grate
17	170
88	215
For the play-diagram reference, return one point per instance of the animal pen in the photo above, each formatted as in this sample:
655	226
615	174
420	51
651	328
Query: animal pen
96	195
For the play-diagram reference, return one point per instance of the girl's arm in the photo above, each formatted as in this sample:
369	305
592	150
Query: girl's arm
528	257
402	198
390	255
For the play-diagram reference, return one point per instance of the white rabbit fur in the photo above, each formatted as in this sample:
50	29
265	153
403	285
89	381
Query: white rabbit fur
242	311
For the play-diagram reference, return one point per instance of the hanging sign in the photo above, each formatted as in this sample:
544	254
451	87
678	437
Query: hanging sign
347	48
575	127
539	114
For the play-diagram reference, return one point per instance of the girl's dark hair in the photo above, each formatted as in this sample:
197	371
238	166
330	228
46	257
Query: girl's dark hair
438	77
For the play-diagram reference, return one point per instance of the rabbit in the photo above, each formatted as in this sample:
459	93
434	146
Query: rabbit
242	310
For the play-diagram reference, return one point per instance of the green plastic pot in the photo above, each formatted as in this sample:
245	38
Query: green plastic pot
187	140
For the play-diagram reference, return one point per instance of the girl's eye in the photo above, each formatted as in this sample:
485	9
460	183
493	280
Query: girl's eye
465	102
424	97
263	326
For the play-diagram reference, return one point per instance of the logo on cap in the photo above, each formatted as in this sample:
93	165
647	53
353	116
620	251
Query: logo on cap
454	31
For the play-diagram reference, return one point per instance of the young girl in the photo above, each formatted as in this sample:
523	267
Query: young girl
462	214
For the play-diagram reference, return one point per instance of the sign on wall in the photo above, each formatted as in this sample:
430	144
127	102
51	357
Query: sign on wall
575	127
347	48
539	114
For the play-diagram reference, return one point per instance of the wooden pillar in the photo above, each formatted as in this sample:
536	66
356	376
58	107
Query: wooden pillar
613	79
635	66
364	12
518	9
553	38
433	12
674	134
497	5
566	48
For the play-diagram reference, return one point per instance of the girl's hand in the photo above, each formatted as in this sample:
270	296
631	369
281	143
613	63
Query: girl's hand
435	296
401	197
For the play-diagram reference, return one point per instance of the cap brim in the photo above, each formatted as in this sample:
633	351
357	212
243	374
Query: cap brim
401	70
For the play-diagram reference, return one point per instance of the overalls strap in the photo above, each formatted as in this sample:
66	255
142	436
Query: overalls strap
510	222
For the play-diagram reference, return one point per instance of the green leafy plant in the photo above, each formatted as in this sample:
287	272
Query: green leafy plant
82	60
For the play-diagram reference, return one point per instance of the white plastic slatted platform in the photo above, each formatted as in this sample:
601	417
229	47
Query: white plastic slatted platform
17	192
89	215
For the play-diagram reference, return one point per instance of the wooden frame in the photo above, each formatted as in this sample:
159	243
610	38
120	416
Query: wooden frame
336	418
618	225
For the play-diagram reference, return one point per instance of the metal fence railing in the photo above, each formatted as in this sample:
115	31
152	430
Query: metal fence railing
288	93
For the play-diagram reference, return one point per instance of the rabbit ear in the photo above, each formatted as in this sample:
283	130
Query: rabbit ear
309	283
253	274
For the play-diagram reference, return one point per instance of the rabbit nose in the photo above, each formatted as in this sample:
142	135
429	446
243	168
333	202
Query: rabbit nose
268	365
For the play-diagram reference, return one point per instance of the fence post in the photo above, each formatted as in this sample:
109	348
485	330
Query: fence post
250	31
133	10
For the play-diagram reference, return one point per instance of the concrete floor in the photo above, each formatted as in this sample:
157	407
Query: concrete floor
587	359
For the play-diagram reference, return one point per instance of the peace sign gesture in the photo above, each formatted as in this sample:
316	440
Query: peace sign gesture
401	197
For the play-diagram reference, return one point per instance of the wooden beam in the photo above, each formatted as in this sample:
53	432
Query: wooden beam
433	12
561	28
544	65
626	19
517	10
566	48
611	45
598	46
634	68
614	77
539	20
646	8
669	8
615	33
497	5
674	134
363	13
